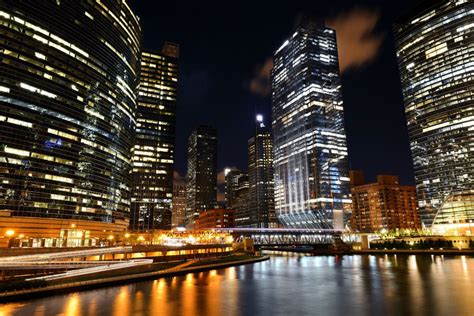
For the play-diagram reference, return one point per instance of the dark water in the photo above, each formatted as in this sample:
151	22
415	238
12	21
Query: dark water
286	285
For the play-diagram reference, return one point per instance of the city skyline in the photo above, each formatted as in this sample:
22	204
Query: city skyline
122	123
210	103
311	157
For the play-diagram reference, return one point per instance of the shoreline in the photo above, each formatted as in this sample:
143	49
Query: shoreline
445	252
120	280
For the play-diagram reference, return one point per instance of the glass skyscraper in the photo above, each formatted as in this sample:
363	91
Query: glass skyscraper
152	177
201	176
312	187
435	51
68	77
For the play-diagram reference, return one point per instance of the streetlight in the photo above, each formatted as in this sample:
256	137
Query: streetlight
10	234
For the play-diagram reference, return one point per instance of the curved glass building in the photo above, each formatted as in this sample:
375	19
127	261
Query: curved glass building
68	79
456	215
312	187
435	50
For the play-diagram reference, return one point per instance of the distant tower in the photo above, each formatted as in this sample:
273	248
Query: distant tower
435	51
236	191
179	205
153	158
310	153
201	177
261	203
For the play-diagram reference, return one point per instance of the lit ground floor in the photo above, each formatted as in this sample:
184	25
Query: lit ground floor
51	232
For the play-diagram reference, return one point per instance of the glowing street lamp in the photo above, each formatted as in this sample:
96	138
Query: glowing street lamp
10	232
127	235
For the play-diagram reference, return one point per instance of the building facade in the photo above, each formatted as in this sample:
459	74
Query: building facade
68	78
215	218
435	51
201	176
310	153
231	189
261	202
237	198
384	205
455	216
179	206
153	156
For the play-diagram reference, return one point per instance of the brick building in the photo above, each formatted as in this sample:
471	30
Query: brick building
215	218
384	204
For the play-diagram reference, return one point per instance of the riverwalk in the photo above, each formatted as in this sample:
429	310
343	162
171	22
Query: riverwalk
191	266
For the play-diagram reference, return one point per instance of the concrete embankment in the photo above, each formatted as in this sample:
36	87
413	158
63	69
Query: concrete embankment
125	278
446	252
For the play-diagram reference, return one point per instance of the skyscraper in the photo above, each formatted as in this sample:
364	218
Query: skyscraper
435	51
261	203
201	176
236	192
310	154
179	205
153	158
68	78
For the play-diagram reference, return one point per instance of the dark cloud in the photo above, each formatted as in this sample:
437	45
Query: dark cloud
357	42
261	84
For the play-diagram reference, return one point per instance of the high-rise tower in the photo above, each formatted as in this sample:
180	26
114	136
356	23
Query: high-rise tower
201	176
310	155
261	203
152	186
435	51
68	78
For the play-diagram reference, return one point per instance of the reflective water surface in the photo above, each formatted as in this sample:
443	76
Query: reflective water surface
286	285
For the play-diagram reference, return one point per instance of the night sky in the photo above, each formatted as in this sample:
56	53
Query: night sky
224	64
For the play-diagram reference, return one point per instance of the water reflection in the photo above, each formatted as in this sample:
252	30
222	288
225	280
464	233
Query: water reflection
301	285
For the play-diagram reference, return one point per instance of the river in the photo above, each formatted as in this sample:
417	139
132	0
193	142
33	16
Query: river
285	285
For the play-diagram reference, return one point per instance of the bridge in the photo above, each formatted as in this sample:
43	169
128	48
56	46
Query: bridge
284	236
